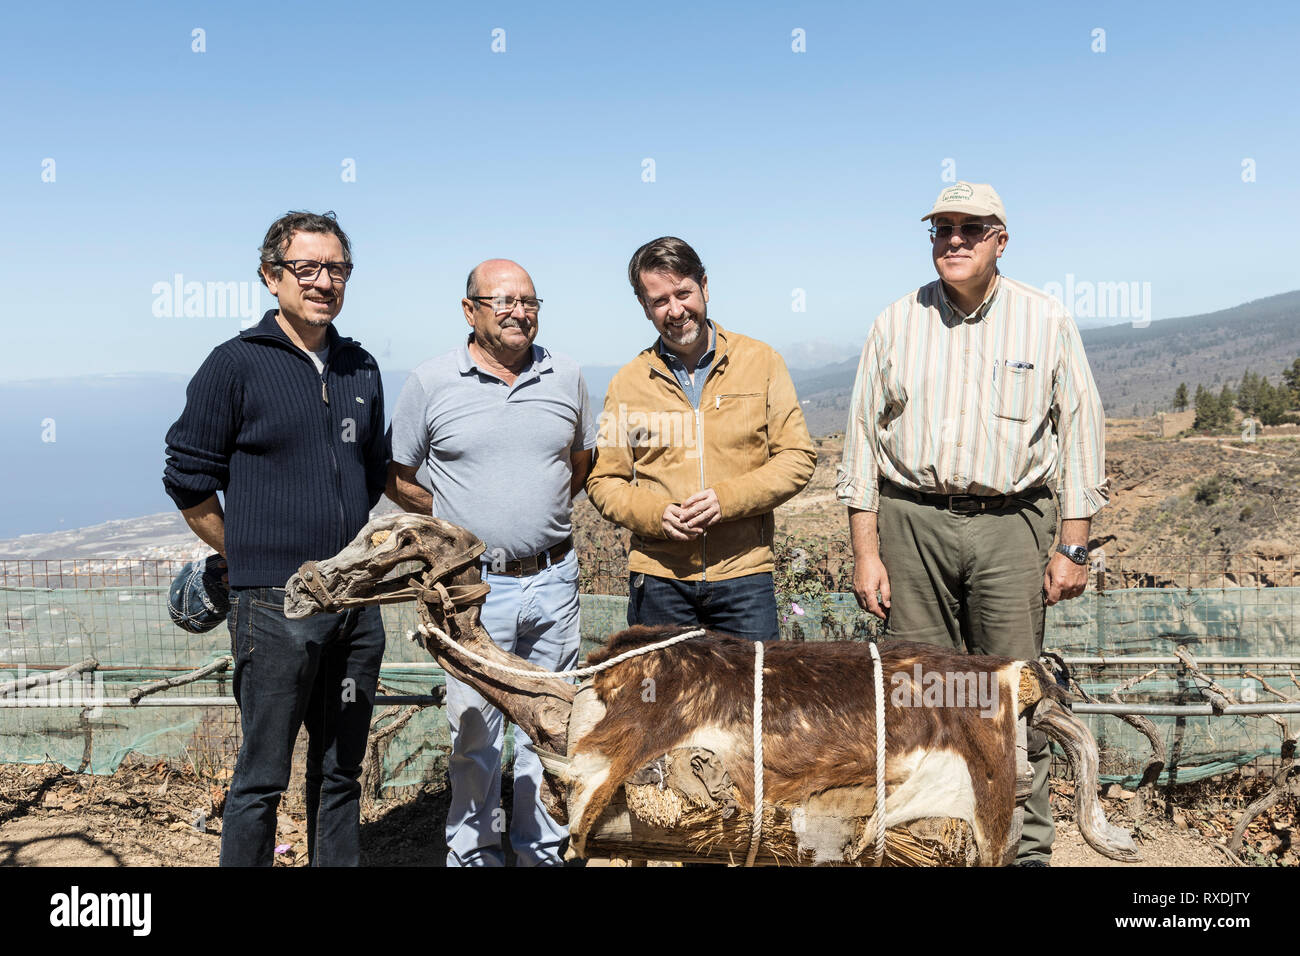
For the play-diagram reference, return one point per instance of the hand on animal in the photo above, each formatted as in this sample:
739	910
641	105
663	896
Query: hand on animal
702	509
1063	580
870	577
676	526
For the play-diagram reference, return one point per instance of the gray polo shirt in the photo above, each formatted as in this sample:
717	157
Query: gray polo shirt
498	455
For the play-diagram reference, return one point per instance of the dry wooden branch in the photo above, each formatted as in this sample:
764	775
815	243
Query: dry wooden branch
372	778
1270	688
1232	857
1131	683
215	667
1218	696
1274	794
1151	772
1216	693
1159	755
53	677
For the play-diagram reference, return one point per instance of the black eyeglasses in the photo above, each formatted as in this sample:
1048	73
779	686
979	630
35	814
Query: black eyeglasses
307	270
505	304
972	231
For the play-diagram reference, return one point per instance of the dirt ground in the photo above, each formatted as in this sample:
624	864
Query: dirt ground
151	815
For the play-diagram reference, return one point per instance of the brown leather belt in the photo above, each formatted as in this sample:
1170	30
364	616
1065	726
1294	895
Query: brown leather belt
973	504
524	567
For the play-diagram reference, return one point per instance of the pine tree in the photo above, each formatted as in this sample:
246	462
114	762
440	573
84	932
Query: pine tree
1180	397
1207	409
1291	383
1272	405
1248	393
1226	400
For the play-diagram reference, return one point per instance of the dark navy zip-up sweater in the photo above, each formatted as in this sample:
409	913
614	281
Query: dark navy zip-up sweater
301	457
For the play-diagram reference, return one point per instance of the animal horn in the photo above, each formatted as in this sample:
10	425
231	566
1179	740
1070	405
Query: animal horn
1062	726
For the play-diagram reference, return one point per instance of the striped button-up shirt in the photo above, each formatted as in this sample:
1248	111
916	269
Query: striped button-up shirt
993	403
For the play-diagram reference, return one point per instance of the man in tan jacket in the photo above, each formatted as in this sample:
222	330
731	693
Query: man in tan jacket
701	438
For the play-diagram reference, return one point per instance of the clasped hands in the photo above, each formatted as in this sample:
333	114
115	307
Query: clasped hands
690	519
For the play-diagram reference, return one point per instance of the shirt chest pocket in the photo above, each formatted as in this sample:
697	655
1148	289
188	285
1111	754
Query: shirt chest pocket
1015	389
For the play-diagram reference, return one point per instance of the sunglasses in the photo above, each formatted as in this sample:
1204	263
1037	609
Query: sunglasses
973	231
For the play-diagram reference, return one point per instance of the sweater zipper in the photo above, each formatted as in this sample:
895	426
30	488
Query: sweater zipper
329	443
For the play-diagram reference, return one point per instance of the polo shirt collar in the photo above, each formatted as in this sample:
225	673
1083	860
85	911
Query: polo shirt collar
541	360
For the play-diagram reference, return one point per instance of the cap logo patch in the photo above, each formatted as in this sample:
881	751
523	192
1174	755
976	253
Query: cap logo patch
957	192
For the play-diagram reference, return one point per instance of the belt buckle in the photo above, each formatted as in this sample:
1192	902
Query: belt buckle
952	505
529	565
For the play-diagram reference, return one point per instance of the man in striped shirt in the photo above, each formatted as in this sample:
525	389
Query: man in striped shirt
975	426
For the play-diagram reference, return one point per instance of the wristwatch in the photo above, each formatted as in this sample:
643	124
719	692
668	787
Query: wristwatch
1076	553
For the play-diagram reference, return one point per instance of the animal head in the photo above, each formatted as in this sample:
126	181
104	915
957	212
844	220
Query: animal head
387	559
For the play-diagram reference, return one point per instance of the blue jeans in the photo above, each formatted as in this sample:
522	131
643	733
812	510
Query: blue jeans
321	671
744	606
537	618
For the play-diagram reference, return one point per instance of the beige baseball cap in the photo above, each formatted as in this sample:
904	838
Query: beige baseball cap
973	199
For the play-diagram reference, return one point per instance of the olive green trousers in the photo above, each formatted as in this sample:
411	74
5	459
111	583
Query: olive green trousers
974	583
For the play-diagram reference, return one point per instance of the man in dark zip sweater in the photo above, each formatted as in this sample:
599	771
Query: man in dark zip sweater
287	421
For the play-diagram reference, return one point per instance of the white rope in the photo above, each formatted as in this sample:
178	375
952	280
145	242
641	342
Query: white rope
756	828
879	817
431	631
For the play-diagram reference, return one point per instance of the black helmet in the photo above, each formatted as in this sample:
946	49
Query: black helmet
199	600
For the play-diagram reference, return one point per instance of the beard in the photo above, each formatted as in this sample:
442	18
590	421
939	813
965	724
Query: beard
687	335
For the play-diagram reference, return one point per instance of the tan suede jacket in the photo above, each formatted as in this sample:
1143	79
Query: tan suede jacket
748	442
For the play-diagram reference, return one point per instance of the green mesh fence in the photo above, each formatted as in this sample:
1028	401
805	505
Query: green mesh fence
120	619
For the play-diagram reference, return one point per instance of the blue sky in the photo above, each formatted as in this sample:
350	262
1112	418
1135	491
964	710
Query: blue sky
785	170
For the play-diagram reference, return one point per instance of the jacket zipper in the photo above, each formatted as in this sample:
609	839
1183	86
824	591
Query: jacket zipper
699	444
704	535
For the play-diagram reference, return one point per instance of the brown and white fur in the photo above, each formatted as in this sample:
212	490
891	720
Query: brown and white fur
818	712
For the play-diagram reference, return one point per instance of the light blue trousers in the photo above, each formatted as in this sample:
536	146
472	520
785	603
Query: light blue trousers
536	618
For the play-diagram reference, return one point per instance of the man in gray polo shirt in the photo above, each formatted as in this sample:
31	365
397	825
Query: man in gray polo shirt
505	430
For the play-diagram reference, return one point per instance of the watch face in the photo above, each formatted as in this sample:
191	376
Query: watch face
1074	552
